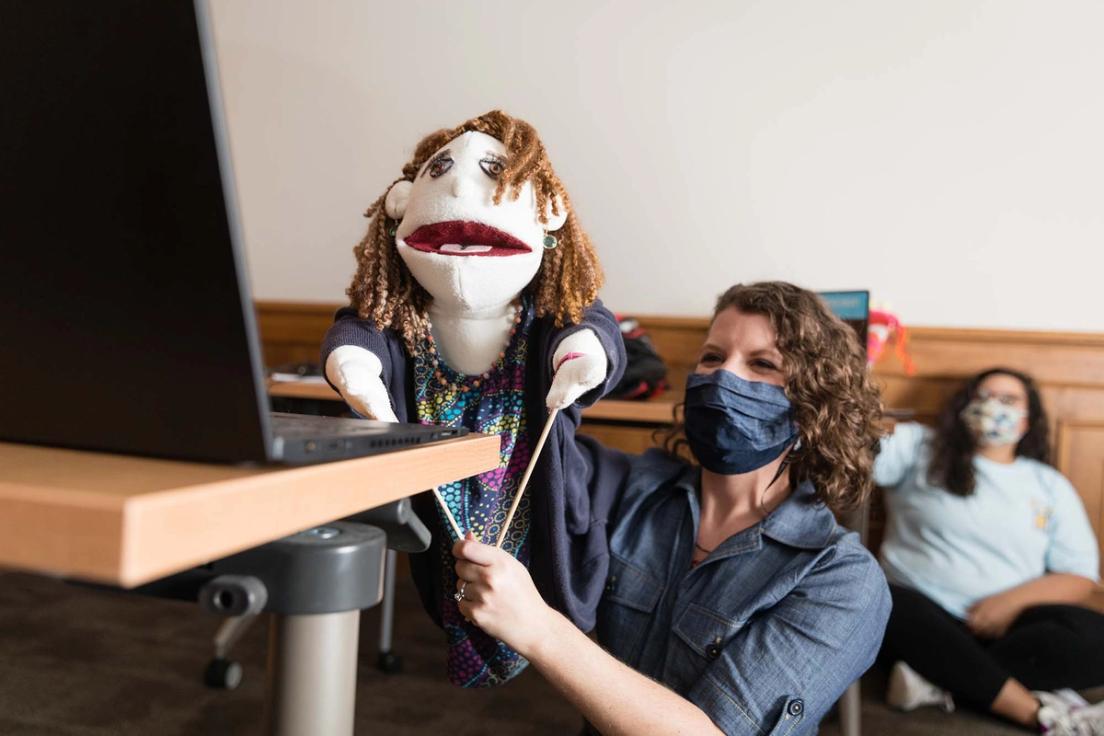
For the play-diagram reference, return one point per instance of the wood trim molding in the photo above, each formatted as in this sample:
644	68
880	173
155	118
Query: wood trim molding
1092	340
269	306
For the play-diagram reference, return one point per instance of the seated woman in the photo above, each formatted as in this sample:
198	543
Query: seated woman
735	603
988	550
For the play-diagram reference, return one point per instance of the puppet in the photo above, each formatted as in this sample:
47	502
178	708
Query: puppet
475	304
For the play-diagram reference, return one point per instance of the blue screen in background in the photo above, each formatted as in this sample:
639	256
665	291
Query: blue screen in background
848	305
853	307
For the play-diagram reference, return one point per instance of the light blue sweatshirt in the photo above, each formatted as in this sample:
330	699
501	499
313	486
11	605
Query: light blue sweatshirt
1023	520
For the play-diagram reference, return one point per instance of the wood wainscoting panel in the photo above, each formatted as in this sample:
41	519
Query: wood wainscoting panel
1053	358
292	332
1081	459
678	340
1069	368
627	438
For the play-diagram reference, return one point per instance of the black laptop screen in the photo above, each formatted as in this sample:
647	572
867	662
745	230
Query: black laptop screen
124	325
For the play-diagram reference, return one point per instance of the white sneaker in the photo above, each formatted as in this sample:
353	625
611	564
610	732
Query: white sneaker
1061	700
1065	713
909	691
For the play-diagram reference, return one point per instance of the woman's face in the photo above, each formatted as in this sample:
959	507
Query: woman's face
1009	391
743	344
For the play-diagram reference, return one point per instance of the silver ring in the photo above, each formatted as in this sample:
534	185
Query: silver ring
459	595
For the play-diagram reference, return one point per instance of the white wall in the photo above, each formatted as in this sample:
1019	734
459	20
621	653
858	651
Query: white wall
946	154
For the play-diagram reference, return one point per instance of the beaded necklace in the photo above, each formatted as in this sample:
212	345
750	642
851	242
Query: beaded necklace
444	375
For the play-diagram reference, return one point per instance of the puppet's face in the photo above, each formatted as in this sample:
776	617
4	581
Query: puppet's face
465	250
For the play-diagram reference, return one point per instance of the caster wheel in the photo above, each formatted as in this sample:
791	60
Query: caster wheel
222	674
389	663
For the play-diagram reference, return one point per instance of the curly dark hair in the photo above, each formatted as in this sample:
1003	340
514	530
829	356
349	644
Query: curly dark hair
836	406
384	291
954	445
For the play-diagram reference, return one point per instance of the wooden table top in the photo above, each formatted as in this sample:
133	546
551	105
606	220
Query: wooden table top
129	520
651	411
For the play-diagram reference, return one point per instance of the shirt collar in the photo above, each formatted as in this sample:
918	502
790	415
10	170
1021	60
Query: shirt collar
800	521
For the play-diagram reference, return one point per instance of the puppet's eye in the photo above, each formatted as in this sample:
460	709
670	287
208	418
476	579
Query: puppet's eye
439	166
492	167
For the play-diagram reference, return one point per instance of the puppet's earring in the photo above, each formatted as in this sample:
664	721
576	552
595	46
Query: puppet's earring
392	230
550	241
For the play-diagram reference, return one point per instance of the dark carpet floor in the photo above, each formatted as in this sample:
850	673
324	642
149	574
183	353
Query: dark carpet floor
86	662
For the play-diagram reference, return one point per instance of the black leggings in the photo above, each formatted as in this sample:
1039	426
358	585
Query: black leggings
1046	648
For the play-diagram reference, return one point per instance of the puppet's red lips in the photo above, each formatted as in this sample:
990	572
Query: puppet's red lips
460	238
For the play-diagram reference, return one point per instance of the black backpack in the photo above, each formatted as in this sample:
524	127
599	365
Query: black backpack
645	372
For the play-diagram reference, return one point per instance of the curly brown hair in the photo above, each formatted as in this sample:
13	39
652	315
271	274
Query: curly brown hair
836	406
383	289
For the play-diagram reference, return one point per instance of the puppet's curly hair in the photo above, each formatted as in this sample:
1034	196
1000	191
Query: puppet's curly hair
383	289
836	406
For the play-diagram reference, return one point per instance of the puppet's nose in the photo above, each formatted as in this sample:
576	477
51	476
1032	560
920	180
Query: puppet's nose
459	186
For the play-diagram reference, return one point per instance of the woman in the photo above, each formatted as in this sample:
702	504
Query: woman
988	550
734	603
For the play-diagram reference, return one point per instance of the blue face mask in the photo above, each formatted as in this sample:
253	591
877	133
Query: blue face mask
736	426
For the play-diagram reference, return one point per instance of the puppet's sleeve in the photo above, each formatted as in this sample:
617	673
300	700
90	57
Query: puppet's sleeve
602	322
348	329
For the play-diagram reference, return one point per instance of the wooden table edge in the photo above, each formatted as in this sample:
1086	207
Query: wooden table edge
128	540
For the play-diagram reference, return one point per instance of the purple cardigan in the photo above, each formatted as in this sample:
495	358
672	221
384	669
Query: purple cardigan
574	485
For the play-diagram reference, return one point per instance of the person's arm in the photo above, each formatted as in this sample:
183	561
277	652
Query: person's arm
786	666
1056	587
898	453
991	617
615	698
501	599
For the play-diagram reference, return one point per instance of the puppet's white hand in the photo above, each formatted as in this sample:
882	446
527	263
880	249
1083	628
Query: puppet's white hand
580	364
356	374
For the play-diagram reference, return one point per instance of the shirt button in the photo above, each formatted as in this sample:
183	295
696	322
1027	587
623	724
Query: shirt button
713	650
611	585
796	707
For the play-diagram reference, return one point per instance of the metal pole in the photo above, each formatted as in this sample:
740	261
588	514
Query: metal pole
850	710
387	611
312	668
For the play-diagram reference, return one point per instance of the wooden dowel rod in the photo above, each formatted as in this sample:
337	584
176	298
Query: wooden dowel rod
525	478
448	514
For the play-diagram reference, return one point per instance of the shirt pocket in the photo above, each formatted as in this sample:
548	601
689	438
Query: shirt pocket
700	637
627	609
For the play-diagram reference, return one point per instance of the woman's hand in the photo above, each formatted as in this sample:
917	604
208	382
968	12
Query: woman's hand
500	598
991	617
499	595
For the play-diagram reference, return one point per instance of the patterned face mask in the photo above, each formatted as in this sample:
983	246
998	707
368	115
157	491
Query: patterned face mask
992	422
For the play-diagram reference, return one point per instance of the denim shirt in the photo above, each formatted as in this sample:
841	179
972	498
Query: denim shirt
764	634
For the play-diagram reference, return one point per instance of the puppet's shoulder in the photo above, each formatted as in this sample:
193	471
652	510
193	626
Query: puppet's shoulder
596	318
349	328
